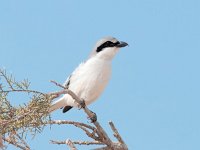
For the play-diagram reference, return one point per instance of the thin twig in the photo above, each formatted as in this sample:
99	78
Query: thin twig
116	146
22	140
116	133
1	142
79	142
27	91
3	74
15	144
13	120
70	122
82	126
71	144
58	84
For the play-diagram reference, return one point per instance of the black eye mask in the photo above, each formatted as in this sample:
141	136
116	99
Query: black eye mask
106	44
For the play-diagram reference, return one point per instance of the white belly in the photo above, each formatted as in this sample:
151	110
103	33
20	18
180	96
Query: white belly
89	81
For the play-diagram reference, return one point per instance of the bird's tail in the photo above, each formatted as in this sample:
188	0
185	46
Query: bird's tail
57	104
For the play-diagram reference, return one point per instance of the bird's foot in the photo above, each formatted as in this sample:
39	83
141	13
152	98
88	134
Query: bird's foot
93	117
82	104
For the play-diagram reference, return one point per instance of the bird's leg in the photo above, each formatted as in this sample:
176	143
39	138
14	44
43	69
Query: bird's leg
93	116
81	104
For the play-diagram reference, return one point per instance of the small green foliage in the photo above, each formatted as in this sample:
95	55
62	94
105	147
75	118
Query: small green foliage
27	118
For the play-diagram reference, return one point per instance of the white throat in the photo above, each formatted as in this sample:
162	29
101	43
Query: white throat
107	54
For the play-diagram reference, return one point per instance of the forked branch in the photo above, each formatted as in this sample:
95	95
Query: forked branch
16	122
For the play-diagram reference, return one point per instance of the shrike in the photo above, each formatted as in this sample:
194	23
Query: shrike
91	77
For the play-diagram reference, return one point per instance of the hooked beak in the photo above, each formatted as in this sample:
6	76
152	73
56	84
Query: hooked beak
121	44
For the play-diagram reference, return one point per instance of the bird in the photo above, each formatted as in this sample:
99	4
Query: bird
90	78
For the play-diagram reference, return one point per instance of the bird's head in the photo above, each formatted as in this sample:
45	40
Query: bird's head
107	47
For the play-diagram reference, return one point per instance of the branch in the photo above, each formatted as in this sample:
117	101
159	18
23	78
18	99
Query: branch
1	142
82	126
26	91
116	133
15	122
59	122
8	80
15	143
78	142
100	130
71	145
58	84
102	135
22	141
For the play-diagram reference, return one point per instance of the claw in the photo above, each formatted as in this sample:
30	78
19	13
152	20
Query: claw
93	118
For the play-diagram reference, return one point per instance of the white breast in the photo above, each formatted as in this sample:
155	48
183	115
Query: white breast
89	80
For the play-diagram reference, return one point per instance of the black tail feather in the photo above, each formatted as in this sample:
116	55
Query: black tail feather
66	108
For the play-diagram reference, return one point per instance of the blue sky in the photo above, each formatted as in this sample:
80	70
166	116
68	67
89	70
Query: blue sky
153	97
